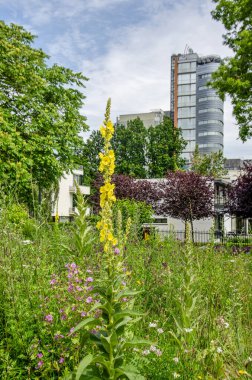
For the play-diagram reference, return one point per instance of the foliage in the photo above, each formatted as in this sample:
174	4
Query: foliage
34	282
165	145
83	234
187	196
40	117
90	156
126	187
240	194
130	144
210	165
234	74
139	213
116	315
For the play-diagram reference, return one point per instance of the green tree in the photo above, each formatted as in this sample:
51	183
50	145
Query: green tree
90	156
129	143
209	165
165	145
40	117
234	76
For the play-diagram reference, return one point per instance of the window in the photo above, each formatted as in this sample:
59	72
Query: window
213	145
188	134
79	179
187	89
189	100
186	78
219	122
205	110
189	123
186	112
209	98
203	88
187	67
212	133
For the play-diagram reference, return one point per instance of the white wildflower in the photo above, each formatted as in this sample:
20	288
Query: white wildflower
188	330
176	375
176	359
219	350
160	331
151	324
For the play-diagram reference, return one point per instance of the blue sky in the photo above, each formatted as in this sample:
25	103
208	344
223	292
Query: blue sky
124	48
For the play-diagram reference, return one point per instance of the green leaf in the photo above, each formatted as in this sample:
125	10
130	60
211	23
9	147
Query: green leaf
137	342
86	323
85	362
130	372
128	293
126	313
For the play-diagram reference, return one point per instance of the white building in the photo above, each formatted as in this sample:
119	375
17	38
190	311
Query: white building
65	202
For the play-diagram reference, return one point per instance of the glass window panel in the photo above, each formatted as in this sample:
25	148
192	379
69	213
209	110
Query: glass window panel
188	134
187	89
186	112
189	123
189	100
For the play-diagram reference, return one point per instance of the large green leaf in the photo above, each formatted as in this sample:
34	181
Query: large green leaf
126	313
130	372
85	362
86	323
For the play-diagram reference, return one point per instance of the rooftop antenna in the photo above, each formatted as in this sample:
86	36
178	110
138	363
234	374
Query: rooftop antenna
185	50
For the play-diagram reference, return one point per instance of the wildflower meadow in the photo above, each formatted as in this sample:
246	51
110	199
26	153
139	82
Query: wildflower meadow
94	300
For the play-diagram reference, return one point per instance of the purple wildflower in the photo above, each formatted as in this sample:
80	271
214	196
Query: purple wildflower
73	266
40	363
89	271
49	318
89	300
116	251
61	360
83	314
40	355
90	279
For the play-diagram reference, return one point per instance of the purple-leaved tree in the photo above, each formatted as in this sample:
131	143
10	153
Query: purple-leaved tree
126	187
186	195
240	194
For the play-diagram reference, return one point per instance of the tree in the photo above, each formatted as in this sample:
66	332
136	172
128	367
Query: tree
187	196
40	117
129	143
165	145
126	187
90	156
210	165
234	74
240	194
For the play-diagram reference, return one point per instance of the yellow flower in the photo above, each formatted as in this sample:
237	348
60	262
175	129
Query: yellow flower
242	372
138	282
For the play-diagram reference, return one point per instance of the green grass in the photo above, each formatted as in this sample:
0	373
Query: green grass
197	304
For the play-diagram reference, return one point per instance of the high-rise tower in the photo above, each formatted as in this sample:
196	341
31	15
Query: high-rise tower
195	107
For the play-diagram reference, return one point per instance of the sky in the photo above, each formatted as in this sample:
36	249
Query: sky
124	47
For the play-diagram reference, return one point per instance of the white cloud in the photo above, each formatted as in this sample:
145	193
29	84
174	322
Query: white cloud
135	71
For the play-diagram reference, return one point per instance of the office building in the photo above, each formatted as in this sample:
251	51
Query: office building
195	107
152	118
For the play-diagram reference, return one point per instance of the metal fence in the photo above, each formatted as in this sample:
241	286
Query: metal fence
203	237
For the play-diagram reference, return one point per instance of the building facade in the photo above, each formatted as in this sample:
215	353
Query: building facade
195	107
149	119
64	202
